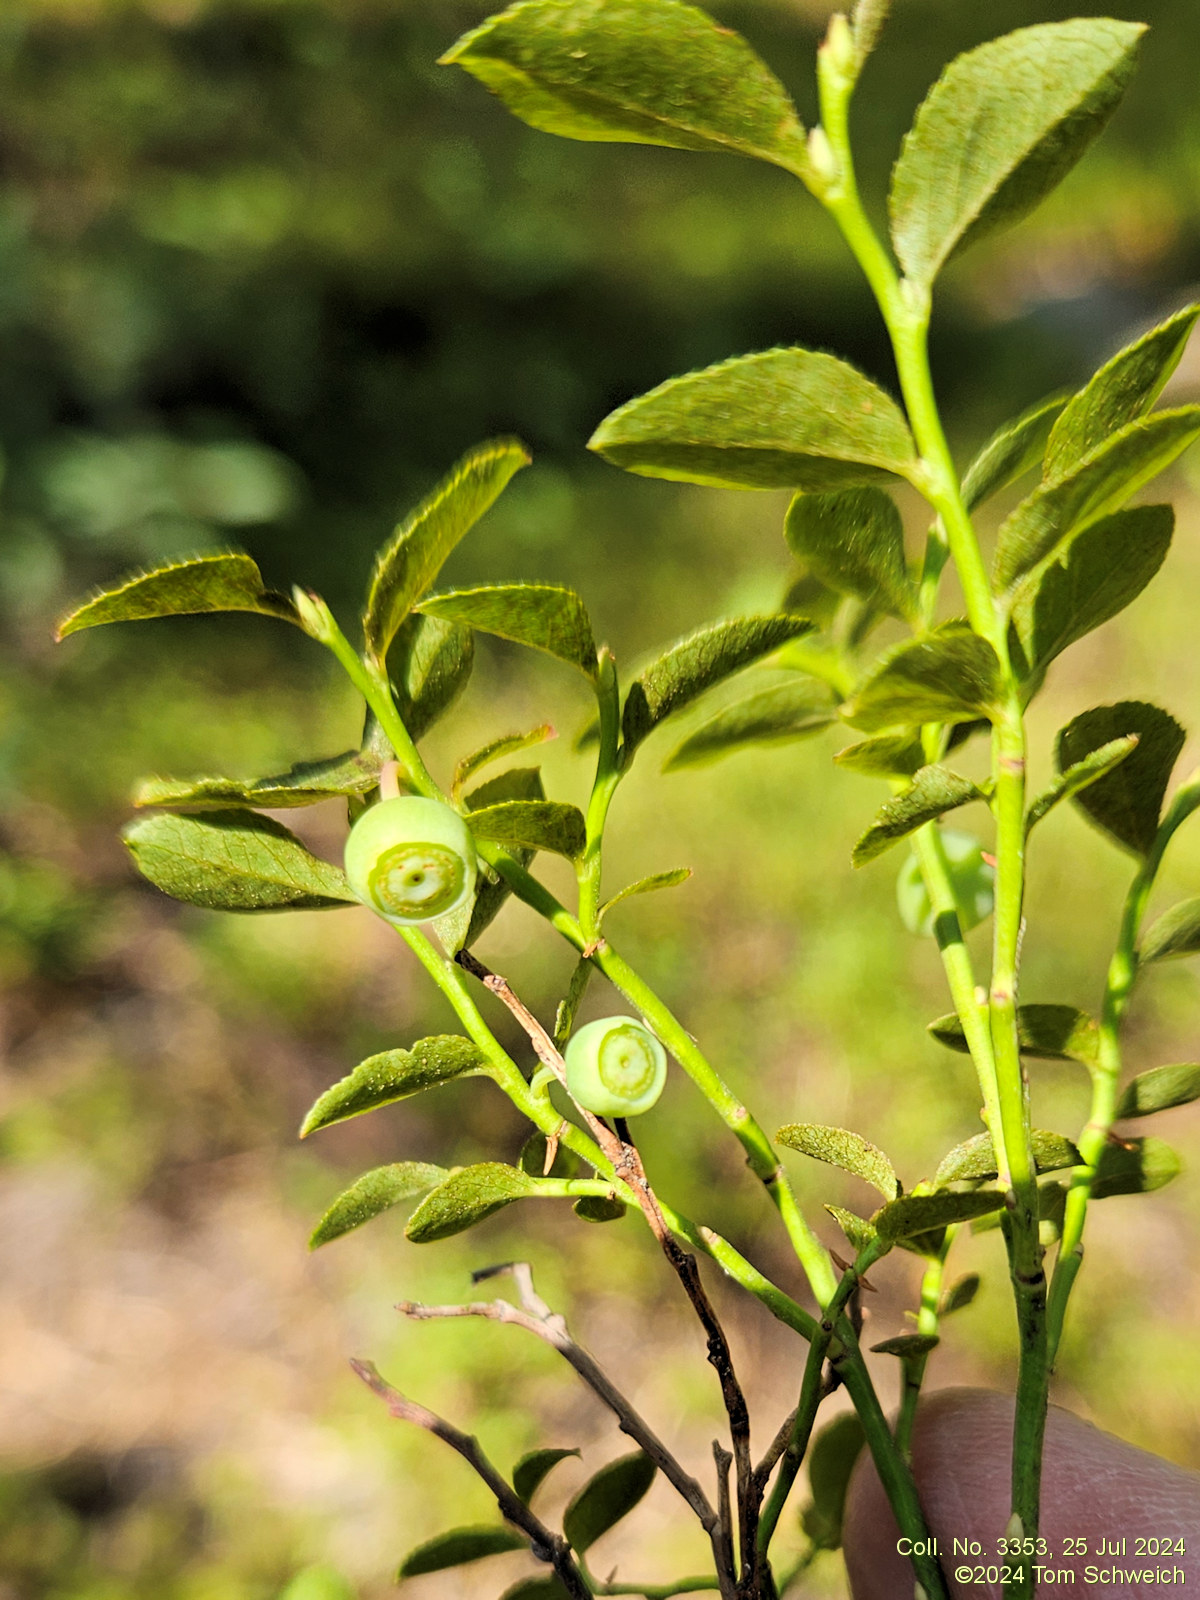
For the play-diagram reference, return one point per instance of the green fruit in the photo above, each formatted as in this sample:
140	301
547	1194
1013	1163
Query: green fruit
615	1067
970	875
411	860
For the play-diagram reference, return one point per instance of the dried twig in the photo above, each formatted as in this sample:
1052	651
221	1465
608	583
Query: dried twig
546	1545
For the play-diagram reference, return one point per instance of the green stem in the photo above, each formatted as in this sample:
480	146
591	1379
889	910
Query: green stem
608	776
927	1325
659	1591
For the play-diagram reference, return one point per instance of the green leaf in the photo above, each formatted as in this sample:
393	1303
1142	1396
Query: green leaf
372	1194
430	662
696	663
866	22
599	1208
466	1197
305	784
634	72
1100	483
781	419
976	1158
1160	1089
912	1214
495	750
853	541
1051	1032
831	1461
1091	577
840	1148
537	1589
935	790
1070	782
532	1470
185	588
1126	802
650	885
461	928
1003	126
857	1229
888	755
908	1346
960	1295
606	1498
780	715
947	676
233	861
1135	1166
1175	933
541	615
456	1548
1122	390
409	563
533	825
1012	451
532	1159
394	1075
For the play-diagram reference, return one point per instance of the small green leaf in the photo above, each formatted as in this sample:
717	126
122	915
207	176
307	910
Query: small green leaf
305	784
606	1498
831	1461
887	755
1003	126
233	861
496	750
540	615
976	1158
1091	577
920	1213
1135	1166
372	1194
1175	933
394	1075
537	1589
857	1229
1012	451
634	72
532	1470
430	662
409	563
1160	1089
935	790
1051	1032
1125	803
696	663
466	1197
840	1148
908	1346
533	825
650	885
960	1295
781	419
461	928
866	23
185	588
1097	485
853	541
598	1208
1069	783
947	676
1122	390
780	715
456	1548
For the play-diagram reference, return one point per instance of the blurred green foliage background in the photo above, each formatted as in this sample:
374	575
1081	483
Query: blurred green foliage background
265	270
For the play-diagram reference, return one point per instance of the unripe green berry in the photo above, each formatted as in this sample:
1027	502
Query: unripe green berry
970	875
615	1067
411	860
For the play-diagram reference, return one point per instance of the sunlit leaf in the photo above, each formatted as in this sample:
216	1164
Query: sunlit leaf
853	541
373	1193
976	1158
1135	1166
634	71
185	588
887	755
495	750
1125	803
935	790
857	1229
541	615
1160	1089
532	1470
456	1548
606	1498
1175	933
841	1148
460	929
946	676
533	825
305	784
1001	127
912	1214
469	1196
779	715
1069	783
1013	450
1051	1032
650	885
429	663
234	861
394	1075
409	563
782	419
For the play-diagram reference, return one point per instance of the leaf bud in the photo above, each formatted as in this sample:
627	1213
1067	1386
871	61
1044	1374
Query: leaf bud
615	1067
839	51
411	860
